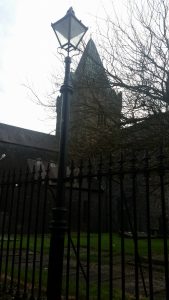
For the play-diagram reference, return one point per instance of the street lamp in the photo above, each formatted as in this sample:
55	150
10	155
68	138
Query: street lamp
69	32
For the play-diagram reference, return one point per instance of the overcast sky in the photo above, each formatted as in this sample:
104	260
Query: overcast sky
27	54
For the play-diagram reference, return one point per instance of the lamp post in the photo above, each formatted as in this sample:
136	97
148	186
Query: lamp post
69	32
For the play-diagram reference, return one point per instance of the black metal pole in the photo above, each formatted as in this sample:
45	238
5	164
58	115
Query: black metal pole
59	224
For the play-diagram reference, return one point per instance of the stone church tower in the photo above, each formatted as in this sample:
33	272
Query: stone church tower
95	108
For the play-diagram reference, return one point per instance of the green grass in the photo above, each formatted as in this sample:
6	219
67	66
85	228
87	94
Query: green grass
156	244
157	251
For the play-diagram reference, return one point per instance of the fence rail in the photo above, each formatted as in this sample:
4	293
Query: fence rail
116	242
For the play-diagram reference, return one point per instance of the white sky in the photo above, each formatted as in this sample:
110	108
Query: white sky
27	54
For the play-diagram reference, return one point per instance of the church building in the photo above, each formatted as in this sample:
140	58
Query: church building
95	108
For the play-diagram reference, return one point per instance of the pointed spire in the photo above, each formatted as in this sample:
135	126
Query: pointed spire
90	64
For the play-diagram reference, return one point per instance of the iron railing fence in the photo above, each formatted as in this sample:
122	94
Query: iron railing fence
24	232
116	241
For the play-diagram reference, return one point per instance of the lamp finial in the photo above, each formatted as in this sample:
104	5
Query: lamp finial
71	11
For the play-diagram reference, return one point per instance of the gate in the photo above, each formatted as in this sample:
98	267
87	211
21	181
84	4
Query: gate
116	241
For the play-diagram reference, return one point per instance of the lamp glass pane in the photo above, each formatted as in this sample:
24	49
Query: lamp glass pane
69	31
63	41
75	41
76	28
77	31
62	28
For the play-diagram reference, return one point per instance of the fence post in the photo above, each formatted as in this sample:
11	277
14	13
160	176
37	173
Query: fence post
164	215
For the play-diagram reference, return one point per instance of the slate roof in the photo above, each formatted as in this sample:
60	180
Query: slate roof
28	138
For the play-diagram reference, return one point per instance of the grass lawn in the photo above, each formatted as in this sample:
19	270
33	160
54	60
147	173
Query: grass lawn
157	251
156	244
129	246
